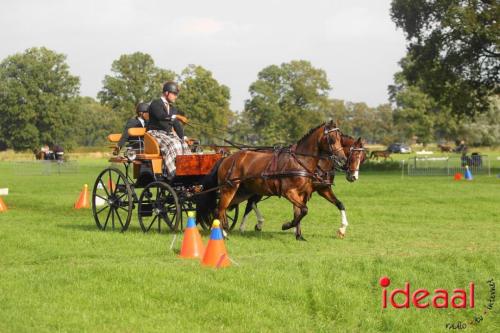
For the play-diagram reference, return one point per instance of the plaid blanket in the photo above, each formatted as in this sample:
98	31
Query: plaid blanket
171	146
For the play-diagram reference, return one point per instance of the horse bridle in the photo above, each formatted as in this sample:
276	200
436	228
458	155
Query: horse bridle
336	160
351	150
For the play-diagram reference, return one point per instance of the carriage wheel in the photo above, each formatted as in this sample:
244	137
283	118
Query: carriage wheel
231	216
159	205
112	200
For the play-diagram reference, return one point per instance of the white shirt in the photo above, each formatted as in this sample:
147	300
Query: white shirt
141	120
166	104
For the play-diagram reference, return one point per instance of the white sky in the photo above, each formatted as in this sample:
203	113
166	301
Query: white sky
354	41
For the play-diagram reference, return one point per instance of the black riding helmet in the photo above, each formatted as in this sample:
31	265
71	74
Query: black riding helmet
171	86
141	108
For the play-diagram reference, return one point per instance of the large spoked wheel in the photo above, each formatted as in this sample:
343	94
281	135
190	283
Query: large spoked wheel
231	216
159	206
112	200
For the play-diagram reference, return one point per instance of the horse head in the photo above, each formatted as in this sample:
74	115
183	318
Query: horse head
355	157
330	142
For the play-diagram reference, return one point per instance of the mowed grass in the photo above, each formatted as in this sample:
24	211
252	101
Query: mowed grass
59	273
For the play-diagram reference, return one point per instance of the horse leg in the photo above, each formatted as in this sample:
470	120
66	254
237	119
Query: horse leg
260	218
299	211
328	194
248	209
252	204
226	196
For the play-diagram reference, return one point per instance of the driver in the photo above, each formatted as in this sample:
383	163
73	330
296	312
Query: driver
165	126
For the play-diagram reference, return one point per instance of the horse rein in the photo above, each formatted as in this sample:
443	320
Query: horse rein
351	150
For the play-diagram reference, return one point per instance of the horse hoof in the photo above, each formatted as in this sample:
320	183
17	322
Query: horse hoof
300	238
340	234
258	228
285	226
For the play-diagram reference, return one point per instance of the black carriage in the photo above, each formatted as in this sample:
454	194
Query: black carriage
161	203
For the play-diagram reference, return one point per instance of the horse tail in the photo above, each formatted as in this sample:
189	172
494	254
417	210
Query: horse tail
206	203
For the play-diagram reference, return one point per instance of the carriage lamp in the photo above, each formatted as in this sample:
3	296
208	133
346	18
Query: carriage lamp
130	154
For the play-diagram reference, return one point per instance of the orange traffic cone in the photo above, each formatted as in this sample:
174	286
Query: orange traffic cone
192	246
3	206
83	200
215	253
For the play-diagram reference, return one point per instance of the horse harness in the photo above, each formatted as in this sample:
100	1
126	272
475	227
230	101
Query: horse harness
319	176
271	172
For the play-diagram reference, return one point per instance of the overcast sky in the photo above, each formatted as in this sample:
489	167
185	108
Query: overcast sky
354	41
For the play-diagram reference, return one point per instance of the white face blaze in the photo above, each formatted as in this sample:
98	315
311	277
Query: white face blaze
356	173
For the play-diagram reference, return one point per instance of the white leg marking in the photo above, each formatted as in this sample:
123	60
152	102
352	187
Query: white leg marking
260	218
243	223
343	226
344	218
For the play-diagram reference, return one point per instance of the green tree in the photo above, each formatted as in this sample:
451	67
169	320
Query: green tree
484	130
453	50
382	129
205	102
413	114
95	122
286	101
36	100
337	110
135	79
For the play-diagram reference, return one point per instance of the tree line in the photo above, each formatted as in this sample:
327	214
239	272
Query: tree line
447	90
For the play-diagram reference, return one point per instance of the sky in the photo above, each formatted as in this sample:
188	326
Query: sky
354	42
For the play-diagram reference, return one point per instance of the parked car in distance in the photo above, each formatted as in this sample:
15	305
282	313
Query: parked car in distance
399	148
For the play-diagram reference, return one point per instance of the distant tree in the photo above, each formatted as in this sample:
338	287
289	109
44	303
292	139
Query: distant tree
205	102
36	95
414	114
453	51
383	129
286	101
135	79
485	129
362	119
336	109
95	122
241	131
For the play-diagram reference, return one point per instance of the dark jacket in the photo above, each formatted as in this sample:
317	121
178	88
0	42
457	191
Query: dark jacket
159	119
131	123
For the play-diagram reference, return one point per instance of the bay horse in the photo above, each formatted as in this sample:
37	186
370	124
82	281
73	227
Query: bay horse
380	153
445	148
356	153
288	172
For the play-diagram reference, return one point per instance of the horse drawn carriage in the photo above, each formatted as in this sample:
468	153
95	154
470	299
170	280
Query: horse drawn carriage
216	189
161	202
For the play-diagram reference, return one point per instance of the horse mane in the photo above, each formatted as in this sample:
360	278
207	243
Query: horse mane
309	133
347	136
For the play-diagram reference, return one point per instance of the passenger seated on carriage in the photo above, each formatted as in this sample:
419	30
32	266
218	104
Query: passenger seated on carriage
165	127
58	152
140	120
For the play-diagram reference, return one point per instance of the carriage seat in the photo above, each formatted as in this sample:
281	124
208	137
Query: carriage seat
151	147
114	138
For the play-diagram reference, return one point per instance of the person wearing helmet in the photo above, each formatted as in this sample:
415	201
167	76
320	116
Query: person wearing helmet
140	120
165	126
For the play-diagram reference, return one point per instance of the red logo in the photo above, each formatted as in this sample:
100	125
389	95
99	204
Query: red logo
422	298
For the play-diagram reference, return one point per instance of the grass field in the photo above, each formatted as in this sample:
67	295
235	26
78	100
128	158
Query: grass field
58	273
